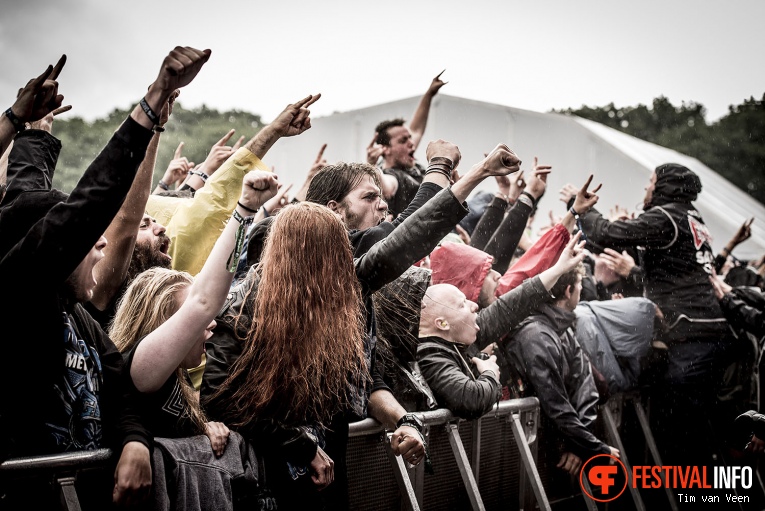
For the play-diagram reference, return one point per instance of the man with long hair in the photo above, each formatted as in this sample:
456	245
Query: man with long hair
396	248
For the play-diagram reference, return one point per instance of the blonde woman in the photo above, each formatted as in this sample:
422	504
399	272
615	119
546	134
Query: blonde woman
165	317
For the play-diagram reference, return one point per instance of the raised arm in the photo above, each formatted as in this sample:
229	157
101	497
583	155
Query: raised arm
122	233
163	350
420	116
35	100
196	224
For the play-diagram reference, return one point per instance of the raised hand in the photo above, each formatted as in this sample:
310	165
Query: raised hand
567	193
585	199
278	201
374	151
744	233
319	163
572	254
538	180
295	119
178	168
436	84
220	152
179	68
40	95
618	213
443	149
257	187
501	161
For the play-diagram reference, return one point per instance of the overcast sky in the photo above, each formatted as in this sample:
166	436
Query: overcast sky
536	55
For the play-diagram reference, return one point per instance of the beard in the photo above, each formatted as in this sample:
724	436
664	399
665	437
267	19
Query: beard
148	255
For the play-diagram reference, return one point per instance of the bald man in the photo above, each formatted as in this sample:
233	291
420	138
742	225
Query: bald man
447	327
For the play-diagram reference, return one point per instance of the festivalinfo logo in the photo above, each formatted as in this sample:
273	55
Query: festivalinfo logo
603	478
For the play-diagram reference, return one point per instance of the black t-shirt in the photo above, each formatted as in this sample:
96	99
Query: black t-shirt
165	412
409	181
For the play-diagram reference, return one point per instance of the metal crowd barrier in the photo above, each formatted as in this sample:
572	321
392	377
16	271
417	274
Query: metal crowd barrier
59	469
489	463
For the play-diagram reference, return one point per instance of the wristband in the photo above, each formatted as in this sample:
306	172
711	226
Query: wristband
524	199
241	234
443	160
411	420
18	124
204	177
531	197
245	208
573	212
159	129
153	117
163	185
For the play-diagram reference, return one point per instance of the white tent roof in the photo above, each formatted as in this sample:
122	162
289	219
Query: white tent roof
574	147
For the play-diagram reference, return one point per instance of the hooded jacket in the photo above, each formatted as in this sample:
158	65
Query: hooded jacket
678	257
462	266
551	361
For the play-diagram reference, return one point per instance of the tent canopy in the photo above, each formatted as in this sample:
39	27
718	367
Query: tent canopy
574	147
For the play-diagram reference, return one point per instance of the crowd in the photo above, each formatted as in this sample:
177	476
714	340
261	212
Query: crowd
214	325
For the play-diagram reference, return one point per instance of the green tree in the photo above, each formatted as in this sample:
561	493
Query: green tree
198	128
734	146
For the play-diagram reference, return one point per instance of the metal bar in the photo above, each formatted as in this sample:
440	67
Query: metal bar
463	464
444	416
528	463
68	494
476	460
402	478
654	450
69	460
588	501
615	438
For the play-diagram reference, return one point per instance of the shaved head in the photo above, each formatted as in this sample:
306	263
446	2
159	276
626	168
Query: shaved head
446	313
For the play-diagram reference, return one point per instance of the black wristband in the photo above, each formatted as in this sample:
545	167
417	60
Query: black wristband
153	117
527	194
246	208
163	185
18	124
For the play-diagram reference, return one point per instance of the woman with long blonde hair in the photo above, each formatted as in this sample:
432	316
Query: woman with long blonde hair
165	317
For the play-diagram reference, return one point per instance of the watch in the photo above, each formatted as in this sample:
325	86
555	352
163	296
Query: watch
411	420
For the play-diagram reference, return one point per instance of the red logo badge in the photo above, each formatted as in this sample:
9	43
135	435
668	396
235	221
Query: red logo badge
605	476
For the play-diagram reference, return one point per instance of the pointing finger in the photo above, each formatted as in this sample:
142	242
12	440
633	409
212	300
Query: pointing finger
223	141
178	151
597	188
586	185
321	152
58	67
238	143
439	74
61	110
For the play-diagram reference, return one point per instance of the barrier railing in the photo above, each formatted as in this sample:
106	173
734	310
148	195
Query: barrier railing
488	463
505	438
60	468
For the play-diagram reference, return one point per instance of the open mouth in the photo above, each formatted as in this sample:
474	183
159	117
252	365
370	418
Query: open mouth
164	246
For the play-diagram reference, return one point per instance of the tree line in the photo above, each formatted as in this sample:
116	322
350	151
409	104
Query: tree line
734	145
